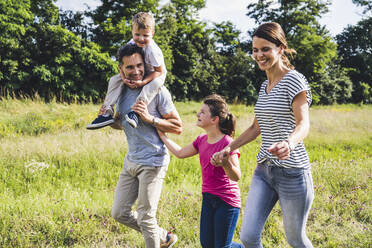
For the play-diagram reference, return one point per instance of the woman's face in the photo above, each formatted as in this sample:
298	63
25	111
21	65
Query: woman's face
266	53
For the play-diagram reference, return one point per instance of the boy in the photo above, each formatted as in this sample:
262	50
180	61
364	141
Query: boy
143	29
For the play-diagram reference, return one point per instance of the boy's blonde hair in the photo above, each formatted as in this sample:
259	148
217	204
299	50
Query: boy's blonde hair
143	20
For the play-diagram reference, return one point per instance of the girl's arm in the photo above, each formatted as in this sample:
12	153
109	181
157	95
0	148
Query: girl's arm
301	113
231	167
174	148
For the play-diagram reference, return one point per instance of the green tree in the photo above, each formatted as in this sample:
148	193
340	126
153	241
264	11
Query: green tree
39	56
367	4
15	17
193	51
357	55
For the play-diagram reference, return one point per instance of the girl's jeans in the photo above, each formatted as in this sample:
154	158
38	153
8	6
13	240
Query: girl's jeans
217	223
293	188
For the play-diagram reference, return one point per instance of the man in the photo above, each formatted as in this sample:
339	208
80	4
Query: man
147	160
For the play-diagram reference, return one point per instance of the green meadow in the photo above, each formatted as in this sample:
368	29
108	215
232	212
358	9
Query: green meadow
57	179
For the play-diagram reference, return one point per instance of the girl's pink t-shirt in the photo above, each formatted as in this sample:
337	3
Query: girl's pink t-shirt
215	180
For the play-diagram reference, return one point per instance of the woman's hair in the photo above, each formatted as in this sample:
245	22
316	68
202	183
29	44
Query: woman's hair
218	107
273	32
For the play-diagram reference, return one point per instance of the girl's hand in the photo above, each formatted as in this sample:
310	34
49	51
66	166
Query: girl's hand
280	149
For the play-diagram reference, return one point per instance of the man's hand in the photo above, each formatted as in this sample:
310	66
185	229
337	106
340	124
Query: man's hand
141	109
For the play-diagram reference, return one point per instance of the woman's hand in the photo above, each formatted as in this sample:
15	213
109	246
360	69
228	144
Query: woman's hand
280	149
221	158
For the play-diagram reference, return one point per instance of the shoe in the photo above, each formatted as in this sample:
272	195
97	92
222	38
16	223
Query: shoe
132	119
100	122
171	240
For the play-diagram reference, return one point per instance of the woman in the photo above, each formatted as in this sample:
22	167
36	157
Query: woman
282	118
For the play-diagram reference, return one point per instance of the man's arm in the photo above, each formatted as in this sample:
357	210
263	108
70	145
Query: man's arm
169	123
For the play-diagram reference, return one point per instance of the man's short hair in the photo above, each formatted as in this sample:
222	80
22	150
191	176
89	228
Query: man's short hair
143	20
128	50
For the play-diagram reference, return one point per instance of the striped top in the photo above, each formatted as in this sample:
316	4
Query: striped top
276	119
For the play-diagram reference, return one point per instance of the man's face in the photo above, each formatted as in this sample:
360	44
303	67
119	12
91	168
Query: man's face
133	67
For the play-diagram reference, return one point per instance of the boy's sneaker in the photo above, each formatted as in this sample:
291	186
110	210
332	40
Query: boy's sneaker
101	121
132	119
171	240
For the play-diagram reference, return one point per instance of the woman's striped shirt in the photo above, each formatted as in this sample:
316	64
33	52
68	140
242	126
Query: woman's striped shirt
276	119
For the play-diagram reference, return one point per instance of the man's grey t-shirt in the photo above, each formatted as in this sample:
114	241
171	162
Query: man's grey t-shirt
144	145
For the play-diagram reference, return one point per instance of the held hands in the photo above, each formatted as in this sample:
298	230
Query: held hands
221	158
280	149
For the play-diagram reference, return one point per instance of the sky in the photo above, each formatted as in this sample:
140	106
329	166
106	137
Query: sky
342	13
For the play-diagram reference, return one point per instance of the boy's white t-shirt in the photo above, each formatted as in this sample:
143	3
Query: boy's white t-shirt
153	56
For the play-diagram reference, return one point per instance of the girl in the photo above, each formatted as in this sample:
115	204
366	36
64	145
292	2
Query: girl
221	193
282	118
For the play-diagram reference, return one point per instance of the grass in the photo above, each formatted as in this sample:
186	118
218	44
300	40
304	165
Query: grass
57	179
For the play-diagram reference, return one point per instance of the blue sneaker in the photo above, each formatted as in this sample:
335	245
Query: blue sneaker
132	119
100	122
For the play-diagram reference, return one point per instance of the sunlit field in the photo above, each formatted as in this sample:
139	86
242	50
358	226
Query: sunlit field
58	179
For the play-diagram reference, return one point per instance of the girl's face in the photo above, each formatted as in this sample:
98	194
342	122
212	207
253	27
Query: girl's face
204	117
266	53
142	37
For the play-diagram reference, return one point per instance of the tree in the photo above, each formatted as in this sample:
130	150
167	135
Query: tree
194	56
39	56
15	16
357	55
364	3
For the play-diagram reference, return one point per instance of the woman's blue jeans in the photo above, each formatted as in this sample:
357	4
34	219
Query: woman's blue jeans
217	223
293	188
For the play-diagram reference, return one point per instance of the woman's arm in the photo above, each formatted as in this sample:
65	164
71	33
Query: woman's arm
301	113
174	148
231	167
247	136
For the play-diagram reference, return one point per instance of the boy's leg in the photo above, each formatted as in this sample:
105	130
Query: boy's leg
150	90
105	116
207	221
148	93
150	185
114	89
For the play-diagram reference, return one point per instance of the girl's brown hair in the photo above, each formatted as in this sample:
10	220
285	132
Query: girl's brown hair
218	107
273	32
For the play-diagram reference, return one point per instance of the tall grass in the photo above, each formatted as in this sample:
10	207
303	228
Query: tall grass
57	179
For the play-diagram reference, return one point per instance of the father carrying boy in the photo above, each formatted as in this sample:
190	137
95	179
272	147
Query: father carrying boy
143	30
